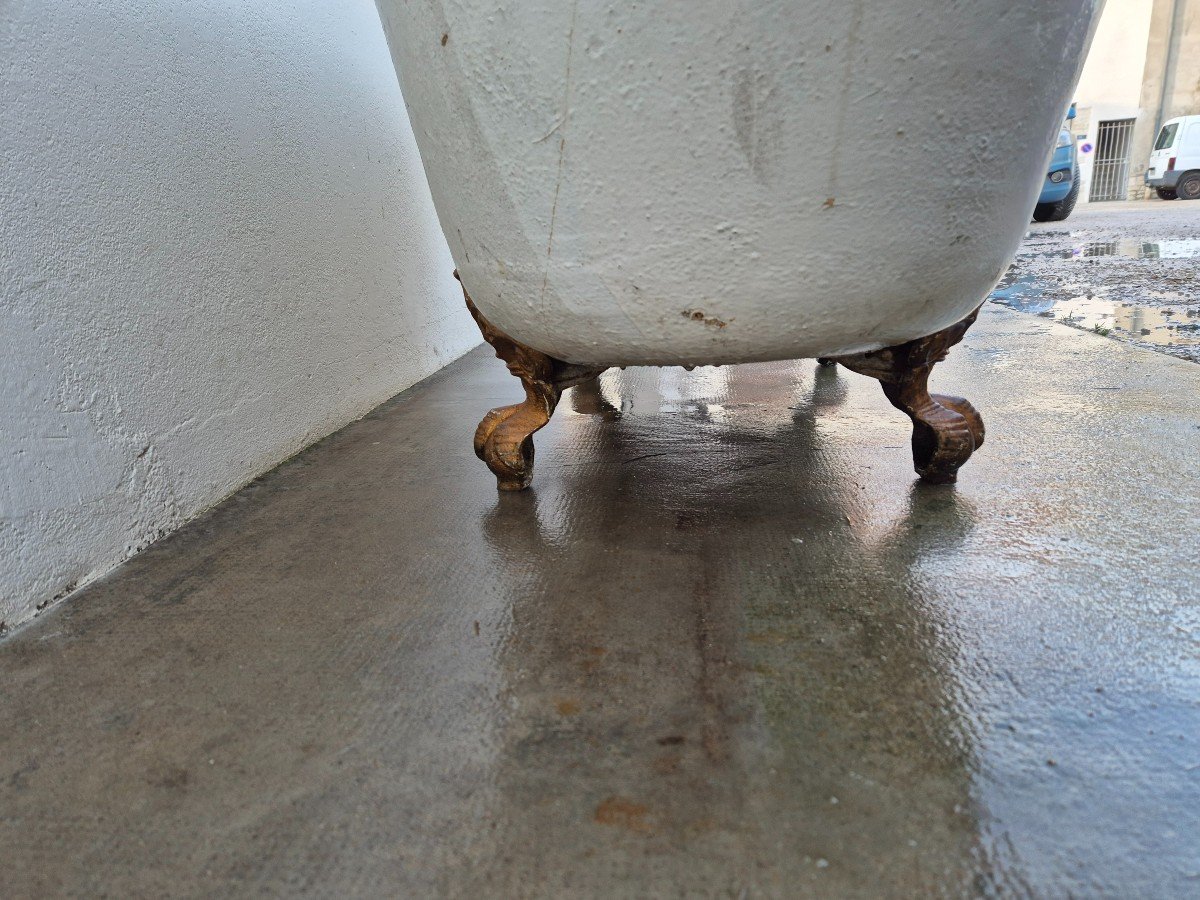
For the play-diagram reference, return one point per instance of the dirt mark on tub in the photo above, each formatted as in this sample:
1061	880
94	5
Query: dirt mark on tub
758	121
698	315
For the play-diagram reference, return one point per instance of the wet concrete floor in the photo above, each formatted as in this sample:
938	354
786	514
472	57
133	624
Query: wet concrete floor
727	646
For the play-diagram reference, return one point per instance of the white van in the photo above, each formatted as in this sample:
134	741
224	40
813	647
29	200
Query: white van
1175	161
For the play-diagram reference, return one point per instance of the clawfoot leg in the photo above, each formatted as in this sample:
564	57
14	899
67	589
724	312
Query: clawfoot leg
946	430
504	439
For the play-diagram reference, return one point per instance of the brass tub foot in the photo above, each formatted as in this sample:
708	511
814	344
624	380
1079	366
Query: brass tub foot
946	430
504	439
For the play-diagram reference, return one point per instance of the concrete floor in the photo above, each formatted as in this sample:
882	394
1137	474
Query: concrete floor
725	647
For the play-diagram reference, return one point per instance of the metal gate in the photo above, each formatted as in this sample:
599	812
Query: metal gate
1110	170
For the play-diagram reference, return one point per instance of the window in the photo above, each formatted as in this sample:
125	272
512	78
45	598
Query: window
1166	137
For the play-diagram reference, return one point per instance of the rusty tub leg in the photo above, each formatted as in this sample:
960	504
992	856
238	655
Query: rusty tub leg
946	430
504	439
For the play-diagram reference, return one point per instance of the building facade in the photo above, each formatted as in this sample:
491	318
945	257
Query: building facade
1144	68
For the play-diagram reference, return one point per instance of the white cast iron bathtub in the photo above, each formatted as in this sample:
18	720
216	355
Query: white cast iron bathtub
712	181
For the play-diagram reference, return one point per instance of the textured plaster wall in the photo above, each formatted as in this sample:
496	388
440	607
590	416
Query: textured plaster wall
217	245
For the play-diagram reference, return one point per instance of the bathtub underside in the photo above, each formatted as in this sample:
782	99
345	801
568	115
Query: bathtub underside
946	430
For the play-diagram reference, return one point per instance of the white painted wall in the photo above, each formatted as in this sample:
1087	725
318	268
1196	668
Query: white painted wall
217	245
1112	73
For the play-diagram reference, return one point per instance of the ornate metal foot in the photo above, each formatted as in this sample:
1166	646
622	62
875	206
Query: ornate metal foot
946	430
504	439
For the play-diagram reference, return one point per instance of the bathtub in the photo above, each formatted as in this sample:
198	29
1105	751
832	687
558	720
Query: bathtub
719	182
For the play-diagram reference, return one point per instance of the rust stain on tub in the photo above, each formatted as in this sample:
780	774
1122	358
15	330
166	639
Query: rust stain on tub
697	315
623	813
566	707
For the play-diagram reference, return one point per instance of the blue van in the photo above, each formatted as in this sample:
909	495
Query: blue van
1060	190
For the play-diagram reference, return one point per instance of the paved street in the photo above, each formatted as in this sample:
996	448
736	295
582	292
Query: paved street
1127	270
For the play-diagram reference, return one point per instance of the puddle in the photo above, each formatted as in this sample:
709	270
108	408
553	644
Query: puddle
1144	291
1125	248
1131	249
1165	326
1024	293
1143	323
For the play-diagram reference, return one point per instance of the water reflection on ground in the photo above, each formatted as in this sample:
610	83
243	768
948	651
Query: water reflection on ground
1136	249
1172	325
1143	291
